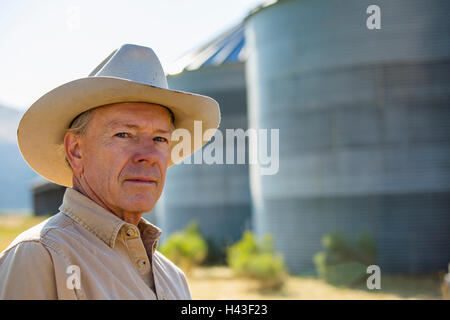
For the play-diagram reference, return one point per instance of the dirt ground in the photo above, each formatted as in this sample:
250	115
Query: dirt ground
218	283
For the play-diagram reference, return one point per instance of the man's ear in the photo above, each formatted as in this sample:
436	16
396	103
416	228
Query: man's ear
73	152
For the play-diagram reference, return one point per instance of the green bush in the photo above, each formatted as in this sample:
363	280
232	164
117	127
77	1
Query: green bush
248	258
345	264
186	249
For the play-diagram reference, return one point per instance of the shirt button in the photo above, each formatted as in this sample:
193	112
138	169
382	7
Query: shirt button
142	263
130	232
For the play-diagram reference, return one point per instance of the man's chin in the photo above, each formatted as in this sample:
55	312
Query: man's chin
139	204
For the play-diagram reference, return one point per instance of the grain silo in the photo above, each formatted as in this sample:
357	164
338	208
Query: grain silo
217	196
364	119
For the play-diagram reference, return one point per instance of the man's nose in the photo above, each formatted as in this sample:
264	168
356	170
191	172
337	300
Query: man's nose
146	151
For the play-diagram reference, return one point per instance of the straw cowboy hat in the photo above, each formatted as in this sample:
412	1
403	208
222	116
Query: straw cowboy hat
130	74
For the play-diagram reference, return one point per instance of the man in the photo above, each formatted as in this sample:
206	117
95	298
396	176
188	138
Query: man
107	138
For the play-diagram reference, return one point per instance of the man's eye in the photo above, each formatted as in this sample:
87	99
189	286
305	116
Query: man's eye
160	139
122	135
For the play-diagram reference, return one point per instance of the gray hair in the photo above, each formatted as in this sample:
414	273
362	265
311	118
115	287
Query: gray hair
80	123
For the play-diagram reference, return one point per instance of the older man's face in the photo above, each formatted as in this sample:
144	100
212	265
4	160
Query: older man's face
125	153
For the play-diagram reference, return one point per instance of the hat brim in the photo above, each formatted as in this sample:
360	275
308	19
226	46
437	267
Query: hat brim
42	128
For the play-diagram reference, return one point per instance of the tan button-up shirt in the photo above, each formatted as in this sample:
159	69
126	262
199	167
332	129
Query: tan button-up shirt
86	252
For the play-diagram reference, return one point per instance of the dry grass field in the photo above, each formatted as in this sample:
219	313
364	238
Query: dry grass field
12	226
218	283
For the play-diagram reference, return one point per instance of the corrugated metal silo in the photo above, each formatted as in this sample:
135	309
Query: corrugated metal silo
216	196
364	119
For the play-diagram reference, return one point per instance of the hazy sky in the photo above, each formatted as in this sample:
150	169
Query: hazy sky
44	44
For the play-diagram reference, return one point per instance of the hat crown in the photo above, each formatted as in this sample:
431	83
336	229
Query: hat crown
134	63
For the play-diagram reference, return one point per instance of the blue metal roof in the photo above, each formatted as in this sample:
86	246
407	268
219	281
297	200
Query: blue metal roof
228	47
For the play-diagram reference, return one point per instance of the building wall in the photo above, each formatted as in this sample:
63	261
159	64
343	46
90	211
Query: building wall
47	199
364	119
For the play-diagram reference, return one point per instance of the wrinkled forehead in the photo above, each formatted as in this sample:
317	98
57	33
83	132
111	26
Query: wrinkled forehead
134	111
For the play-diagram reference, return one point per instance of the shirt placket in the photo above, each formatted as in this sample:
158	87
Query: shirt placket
138	254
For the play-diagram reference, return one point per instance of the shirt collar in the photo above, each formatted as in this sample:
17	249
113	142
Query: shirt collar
102	223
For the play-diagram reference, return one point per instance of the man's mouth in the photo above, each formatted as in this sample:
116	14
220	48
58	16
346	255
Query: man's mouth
142	181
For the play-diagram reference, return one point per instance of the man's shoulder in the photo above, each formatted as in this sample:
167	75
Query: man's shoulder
176	275
168	265
26	266
39	231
